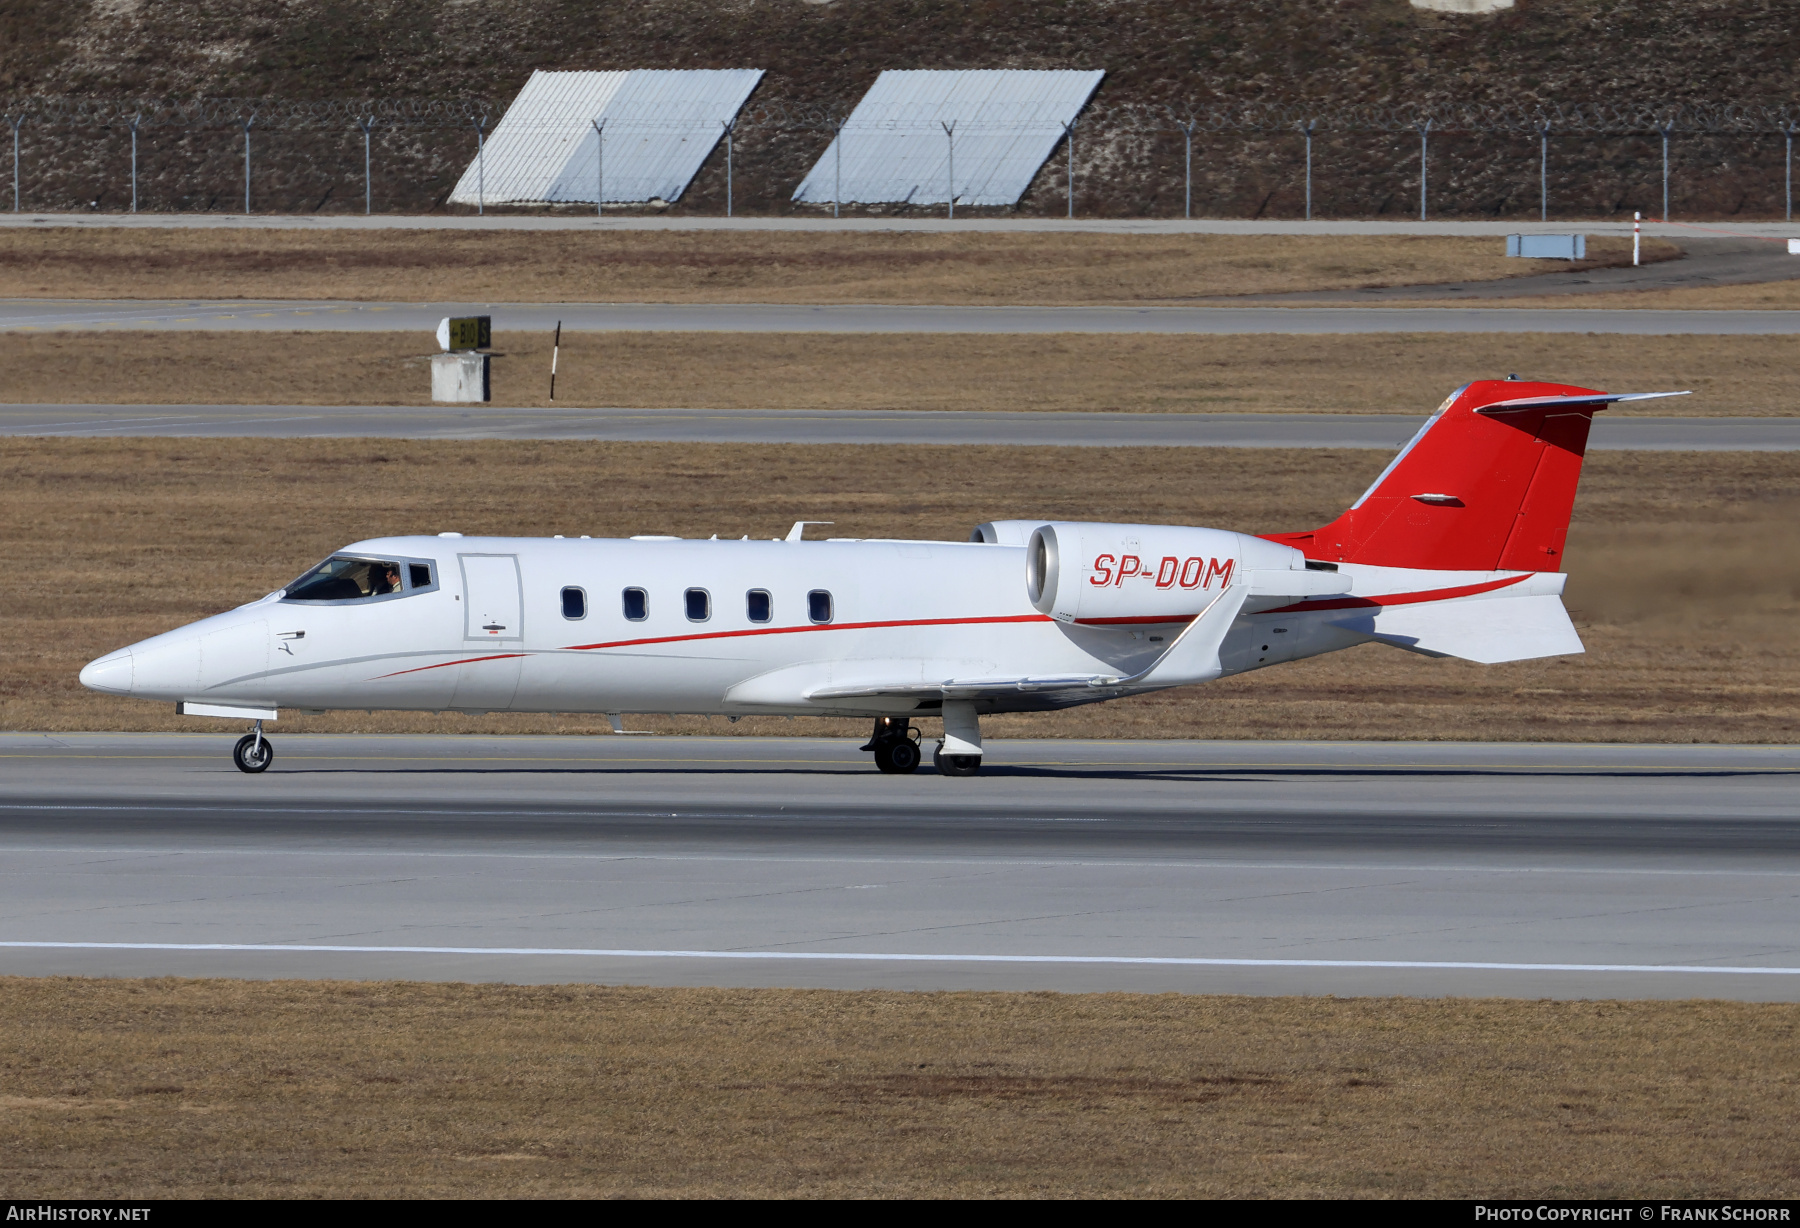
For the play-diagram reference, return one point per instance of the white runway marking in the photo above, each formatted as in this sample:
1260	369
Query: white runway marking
902	957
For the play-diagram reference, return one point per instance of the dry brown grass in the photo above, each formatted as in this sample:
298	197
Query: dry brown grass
731	267
171	1089
1686	569
1139	373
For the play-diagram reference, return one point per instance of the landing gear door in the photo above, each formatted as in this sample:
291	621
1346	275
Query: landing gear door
492	603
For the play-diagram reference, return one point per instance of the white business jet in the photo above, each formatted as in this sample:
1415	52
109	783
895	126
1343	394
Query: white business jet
1455	551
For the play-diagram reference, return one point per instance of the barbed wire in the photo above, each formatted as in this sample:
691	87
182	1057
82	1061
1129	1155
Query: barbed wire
280	113
779	115
1610	119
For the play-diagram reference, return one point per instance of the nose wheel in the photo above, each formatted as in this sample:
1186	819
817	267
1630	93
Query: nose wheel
253	753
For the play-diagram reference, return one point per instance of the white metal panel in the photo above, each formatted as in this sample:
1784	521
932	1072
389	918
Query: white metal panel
536	137
659	127
895	146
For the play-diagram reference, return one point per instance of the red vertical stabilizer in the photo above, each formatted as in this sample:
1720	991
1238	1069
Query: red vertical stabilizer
1486	485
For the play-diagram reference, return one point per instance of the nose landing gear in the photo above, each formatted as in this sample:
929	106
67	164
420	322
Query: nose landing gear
253	753
896	745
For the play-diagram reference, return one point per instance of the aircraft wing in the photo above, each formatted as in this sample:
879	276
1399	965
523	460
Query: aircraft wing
1193	657
966	688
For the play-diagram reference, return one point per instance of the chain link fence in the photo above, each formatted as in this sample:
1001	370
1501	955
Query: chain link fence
1176	158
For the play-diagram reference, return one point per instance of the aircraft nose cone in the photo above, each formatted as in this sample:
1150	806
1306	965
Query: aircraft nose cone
111	673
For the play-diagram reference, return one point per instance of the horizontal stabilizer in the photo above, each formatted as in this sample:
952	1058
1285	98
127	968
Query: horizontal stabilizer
1608	398
1485	630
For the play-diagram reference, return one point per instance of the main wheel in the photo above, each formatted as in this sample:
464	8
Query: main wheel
955	765
252	755
899	756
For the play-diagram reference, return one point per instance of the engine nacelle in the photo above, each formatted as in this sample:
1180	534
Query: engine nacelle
1117	574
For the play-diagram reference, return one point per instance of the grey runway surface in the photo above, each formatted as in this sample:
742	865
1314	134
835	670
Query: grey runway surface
1001	225
1383	431
1709	261
321	315
1517	870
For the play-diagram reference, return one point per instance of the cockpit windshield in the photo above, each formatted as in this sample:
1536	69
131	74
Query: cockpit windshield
346	579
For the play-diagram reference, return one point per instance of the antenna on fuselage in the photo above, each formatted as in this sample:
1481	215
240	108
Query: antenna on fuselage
798	532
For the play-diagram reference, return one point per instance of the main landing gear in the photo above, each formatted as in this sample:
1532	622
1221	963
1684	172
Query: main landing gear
959	754
896	744
955	765
253	753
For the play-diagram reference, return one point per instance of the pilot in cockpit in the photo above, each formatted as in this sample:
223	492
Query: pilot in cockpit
384	578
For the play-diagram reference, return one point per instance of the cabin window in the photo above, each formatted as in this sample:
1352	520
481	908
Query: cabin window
759	605
818	605
419	574
574	603
699	605
347	579
637	605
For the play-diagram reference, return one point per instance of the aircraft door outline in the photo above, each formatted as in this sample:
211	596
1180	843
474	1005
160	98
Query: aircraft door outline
493	598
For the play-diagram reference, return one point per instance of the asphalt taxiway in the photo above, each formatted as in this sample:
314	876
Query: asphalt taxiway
310	315
1517	870
826	426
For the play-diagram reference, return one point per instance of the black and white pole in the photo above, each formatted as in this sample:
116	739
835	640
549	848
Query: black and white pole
555	350
950	175
599	205
135	120
248	124
1637	226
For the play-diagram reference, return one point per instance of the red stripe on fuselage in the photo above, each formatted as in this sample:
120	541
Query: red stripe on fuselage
502	656
1382	599
1120	622
730	635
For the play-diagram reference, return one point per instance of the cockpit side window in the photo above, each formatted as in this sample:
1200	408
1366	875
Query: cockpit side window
340	578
